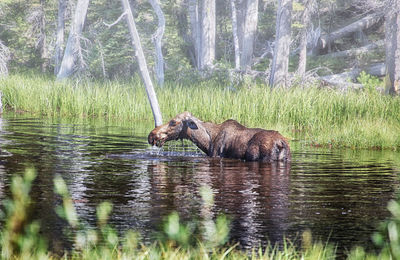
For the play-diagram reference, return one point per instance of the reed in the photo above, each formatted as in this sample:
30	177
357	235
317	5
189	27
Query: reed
316	116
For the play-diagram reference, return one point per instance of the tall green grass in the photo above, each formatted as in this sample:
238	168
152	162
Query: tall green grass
320	116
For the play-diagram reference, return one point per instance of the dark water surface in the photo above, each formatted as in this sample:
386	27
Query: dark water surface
340	195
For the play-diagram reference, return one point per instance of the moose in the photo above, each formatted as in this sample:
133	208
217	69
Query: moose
228	139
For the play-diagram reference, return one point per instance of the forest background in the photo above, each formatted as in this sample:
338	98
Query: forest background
203	38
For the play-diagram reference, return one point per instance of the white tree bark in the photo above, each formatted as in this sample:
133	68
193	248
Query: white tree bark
208	30
157	39
392	46
151	94
235	35
5	56
69	58
301	69
364	23
195	29
43	43
62	6
249	32
1	104
280	62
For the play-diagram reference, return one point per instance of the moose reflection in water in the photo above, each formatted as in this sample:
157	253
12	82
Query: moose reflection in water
254	195
229	139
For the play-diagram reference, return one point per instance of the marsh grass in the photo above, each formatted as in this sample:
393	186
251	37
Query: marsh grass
320	116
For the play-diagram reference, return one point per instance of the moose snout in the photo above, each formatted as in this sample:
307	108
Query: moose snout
152	138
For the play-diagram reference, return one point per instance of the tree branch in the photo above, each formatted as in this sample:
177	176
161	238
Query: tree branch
117	21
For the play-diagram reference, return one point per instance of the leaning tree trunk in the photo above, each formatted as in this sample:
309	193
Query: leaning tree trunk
392	45
62	6
235	35
362	24
249	32
280	62
207	34
157	38
301	69
69	59
151	94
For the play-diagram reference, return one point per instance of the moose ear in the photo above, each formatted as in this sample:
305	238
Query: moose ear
192	125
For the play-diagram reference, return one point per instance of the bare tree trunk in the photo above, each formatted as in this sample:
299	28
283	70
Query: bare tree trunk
1	104
62	6
43	45
235	35
151	94
4	58
208	30
195	29
157	38
392	46
280	62
356	51
249	32
68	61
364	23
301	70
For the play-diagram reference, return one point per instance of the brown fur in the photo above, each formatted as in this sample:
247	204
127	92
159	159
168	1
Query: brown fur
228	139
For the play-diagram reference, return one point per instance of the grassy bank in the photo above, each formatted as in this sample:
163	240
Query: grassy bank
363	119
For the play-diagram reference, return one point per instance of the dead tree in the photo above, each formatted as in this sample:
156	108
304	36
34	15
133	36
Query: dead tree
301	69
250	21
356	51
235	35
392	47
280	62
62	6
151	94
203	29
5	56
364	23
157	39
69	59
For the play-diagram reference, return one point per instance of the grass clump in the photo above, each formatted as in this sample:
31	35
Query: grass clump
356	119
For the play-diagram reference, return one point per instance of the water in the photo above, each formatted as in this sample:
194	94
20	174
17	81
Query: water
340	195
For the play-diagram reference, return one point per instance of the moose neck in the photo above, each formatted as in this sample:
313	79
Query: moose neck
204	136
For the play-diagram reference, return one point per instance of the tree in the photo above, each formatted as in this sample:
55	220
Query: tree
301	70
72	49
250	21
392	46
157	38
4	58
62	6
235	35
151	94
202	21
280	62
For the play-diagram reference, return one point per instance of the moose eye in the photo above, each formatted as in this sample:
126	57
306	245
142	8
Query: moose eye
172	123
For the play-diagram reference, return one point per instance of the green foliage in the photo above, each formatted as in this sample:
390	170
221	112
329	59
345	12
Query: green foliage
20	236
370	83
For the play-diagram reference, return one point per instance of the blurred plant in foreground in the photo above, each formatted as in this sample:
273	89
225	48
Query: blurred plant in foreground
202	239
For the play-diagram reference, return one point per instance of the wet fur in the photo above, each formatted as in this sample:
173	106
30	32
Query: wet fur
228	139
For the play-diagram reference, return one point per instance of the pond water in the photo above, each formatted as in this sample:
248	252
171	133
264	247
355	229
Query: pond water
340	195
